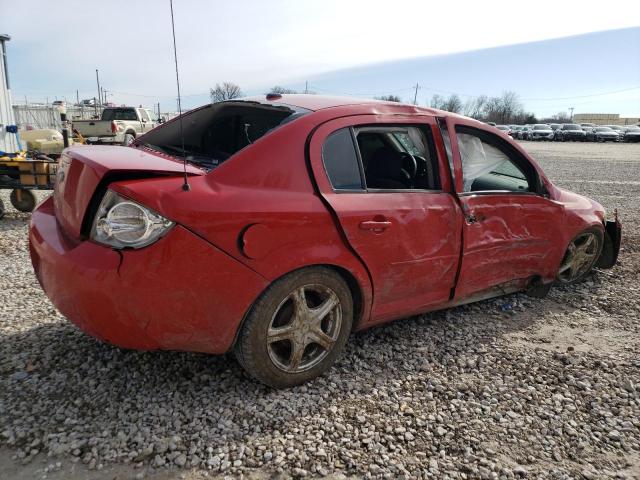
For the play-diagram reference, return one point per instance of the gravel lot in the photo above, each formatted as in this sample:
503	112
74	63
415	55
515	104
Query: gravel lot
508	388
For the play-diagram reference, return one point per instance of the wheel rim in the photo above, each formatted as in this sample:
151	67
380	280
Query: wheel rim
304	328
580	257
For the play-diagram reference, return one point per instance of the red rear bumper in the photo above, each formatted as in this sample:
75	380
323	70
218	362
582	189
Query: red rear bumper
180	293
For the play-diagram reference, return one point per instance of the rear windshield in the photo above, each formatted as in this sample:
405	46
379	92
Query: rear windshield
214	133
119	114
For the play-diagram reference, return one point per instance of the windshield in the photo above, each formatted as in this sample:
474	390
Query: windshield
119	114
214	133
571	126
603	129
541	127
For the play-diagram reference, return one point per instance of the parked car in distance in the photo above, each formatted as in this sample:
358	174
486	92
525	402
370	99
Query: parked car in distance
541	131
555	126
117	125
619	130
602	134
504	128
513	132
632	134
523	133
305	218
570	131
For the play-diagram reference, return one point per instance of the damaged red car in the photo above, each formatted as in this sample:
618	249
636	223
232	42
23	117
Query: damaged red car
304	218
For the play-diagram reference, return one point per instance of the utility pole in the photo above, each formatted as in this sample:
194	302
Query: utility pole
306	87
415	96
98	82
77	97
571	118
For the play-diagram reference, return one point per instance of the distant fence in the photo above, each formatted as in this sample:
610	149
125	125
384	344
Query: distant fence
47	116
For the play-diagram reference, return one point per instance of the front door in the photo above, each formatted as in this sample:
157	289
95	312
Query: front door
510	226
382	178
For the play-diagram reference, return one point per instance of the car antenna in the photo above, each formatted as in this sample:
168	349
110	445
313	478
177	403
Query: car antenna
185	185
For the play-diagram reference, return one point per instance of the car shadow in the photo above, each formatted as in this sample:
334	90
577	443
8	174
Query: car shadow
94	387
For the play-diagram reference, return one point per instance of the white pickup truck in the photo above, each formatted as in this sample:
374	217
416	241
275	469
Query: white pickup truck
118	125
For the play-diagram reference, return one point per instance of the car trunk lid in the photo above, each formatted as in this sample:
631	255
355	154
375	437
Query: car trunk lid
84	170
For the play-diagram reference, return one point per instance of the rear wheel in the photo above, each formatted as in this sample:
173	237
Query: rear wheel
297	328
128	139
23	200
580	257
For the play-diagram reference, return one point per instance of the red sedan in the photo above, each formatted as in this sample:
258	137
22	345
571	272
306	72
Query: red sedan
298	219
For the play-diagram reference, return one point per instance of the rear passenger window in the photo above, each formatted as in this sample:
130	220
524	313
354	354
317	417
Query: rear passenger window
341	161
398	157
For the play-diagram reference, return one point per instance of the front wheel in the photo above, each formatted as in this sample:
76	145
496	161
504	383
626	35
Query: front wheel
580	257
297	328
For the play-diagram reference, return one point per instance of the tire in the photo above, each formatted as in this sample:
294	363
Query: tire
279	321
1	208
128	139
580	257
23	200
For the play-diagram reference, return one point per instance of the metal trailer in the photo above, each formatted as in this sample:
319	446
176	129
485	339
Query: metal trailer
21	175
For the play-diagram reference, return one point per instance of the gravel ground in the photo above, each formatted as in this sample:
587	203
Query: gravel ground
508	388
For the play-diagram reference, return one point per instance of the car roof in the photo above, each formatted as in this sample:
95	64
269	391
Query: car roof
321	102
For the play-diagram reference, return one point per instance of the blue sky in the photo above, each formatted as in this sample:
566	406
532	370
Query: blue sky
358	47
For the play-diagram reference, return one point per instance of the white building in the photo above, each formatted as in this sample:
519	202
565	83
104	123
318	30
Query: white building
7	140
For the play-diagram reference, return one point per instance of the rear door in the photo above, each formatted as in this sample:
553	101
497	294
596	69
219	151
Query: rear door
511	229
397	216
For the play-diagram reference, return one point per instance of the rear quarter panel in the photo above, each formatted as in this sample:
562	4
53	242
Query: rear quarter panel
261	208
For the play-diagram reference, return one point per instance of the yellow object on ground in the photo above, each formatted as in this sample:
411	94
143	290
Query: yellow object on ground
47	141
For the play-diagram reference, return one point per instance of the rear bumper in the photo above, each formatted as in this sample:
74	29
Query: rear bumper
180	293
116	139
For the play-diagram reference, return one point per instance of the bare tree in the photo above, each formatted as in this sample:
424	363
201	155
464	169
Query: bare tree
437	101
226	91
474	107
281	90
389	98
451	104
560	117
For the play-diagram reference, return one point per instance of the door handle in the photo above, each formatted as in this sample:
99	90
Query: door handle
375	225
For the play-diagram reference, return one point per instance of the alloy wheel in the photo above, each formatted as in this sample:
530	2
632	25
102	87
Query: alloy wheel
581	255
304	328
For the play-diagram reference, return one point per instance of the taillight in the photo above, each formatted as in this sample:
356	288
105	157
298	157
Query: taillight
114	127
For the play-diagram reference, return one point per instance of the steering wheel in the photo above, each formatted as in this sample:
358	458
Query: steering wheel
409	164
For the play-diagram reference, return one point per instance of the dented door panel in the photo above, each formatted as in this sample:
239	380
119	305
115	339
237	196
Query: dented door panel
409	240
510	236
